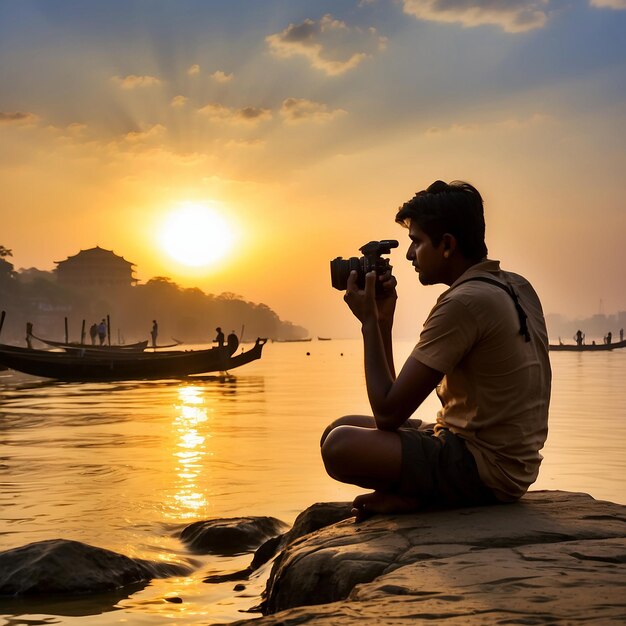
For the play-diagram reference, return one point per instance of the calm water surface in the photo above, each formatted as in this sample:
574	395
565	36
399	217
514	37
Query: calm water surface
124	466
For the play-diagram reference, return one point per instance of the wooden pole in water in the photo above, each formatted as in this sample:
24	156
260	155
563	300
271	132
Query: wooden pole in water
241	336
66	340
109	328
82	333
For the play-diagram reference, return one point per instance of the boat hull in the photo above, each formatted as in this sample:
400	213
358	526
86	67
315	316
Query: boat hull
592	347
132	366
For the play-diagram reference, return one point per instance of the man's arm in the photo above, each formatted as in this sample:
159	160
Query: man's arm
393	400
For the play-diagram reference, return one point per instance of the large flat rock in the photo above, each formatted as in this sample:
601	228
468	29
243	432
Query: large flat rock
553	557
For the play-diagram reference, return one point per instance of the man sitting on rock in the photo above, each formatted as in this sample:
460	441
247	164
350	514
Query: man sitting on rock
483	347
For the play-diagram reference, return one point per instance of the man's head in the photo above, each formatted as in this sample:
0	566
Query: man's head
454	209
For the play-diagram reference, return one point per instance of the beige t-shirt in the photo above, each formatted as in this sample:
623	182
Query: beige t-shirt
496	389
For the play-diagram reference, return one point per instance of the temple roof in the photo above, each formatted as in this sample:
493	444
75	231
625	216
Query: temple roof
96	254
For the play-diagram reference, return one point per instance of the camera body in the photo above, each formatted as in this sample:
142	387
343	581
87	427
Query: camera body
371	260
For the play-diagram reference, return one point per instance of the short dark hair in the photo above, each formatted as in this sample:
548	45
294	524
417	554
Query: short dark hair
455	208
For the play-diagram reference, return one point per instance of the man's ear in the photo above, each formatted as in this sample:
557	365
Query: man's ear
449	244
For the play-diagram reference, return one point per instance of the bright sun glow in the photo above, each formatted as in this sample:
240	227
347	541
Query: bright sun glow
195	235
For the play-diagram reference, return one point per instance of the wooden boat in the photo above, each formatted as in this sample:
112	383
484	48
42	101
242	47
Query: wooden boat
130	365
587	347
323	338
292	340
140	345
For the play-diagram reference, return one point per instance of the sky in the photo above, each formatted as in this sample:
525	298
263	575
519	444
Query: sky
301	127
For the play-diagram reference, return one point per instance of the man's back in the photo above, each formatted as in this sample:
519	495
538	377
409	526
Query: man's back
496	389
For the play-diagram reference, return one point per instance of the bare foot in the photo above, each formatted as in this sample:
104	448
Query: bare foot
369	504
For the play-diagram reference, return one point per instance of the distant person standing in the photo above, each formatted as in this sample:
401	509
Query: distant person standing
621	334
154	333
232	343
102	331
219	337
93	333
609	337
29	335
579	337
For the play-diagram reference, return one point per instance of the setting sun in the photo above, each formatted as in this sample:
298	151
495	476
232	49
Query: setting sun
195	235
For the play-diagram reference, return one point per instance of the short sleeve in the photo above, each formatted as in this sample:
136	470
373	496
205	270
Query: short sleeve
448	335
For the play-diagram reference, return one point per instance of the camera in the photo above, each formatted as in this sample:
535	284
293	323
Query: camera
371	260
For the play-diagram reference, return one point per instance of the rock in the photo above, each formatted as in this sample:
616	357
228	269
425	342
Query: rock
174	599
553	557
60	566
313	518
230	536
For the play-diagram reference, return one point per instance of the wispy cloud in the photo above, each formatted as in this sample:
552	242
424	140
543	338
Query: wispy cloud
609	4
507	124
221	77
297	110
178	101
133	81
139	136
18	117
193	69
513	17
330	45
245	115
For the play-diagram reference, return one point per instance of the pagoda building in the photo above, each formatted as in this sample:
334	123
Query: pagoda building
95	268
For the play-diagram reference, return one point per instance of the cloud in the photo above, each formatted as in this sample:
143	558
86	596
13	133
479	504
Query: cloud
193	69
296	110
76	128
246	115
330	45
507	124
132	81
18	117
140	136
513	17
221	77
609	4
179	101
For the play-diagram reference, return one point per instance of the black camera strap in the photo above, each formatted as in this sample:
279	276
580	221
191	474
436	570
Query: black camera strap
521	314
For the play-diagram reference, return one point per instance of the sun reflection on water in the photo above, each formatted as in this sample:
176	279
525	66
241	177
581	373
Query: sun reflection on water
190	451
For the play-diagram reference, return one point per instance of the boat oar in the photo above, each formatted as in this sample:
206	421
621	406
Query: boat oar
2	316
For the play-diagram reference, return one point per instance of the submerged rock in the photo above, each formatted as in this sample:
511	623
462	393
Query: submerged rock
229	536
553	557
61	566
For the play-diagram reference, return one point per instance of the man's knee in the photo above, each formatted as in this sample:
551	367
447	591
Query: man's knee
336	446
364	421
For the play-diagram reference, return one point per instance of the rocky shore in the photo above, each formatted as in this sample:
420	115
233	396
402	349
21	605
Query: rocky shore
554	557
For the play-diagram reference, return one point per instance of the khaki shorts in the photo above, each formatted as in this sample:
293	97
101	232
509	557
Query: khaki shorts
439	469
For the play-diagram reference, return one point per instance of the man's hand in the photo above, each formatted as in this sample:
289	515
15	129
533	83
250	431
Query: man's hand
366	304
386	298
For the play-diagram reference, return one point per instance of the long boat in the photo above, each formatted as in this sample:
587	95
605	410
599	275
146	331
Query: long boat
587	347
140	345
131	365
293	340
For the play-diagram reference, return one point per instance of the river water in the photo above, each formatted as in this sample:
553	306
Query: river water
124	466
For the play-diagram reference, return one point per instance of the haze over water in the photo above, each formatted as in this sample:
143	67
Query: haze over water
124	466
